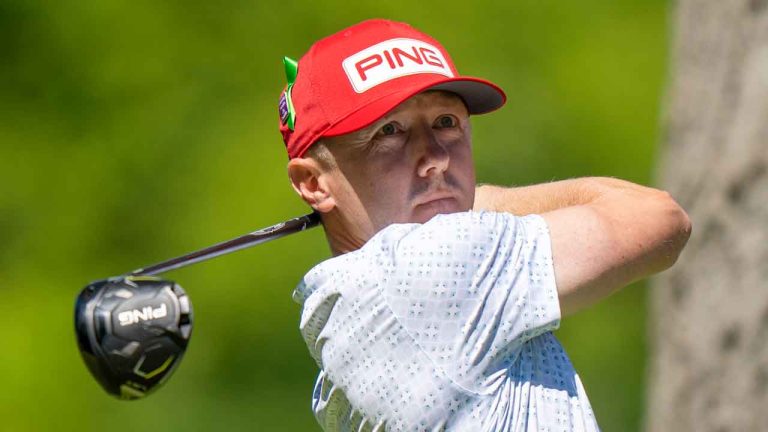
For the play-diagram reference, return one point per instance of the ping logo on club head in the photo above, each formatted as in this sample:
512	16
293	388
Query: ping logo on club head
392	59
146	313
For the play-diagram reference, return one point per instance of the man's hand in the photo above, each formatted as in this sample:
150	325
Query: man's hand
606	233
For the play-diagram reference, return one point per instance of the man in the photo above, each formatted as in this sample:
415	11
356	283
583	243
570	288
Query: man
437	309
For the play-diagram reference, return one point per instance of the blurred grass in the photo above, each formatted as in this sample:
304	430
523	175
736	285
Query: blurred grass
131	132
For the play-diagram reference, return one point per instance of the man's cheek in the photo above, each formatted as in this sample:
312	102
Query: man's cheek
389	163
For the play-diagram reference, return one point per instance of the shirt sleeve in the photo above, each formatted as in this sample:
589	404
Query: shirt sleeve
471	288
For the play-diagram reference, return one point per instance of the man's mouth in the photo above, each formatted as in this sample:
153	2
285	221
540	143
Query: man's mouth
433	204
436	199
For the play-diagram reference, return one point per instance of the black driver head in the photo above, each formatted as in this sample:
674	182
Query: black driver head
132	332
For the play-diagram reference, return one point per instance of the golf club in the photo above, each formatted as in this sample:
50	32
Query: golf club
251	239
132	330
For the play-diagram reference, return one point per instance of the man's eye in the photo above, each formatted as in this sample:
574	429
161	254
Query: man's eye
388	129
446	121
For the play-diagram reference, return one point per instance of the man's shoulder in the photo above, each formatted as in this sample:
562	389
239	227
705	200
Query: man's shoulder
387	239
403	241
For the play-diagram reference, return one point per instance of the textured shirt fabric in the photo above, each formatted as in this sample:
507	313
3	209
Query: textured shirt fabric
442	326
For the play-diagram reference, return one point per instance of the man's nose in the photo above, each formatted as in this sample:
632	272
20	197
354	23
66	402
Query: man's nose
433	155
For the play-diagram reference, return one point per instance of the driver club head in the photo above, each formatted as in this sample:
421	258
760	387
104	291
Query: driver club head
132	332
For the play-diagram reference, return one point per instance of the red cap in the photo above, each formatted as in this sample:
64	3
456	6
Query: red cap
350	79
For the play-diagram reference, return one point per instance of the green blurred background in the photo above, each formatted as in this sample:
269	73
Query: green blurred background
131	132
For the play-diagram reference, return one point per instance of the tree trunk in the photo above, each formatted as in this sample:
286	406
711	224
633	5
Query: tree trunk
709	322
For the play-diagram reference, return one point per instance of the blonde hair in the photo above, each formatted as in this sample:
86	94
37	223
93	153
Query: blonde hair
319	151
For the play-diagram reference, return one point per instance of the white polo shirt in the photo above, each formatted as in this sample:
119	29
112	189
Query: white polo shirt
442	326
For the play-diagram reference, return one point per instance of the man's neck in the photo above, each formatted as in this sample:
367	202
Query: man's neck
342	236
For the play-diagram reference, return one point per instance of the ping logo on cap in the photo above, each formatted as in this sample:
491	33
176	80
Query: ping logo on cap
392	59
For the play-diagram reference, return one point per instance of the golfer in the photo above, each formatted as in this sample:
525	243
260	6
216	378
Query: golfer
437	310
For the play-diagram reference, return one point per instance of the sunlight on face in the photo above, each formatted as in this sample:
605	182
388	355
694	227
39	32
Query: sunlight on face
410	165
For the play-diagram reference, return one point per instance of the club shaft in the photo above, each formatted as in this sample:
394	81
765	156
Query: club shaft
251	239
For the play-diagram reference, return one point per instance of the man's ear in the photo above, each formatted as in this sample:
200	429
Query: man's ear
310	181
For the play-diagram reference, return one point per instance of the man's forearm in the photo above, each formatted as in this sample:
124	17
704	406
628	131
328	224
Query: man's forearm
605	232
545	197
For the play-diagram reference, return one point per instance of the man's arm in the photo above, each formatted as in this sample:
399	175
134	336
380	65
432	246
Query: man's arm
605	232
